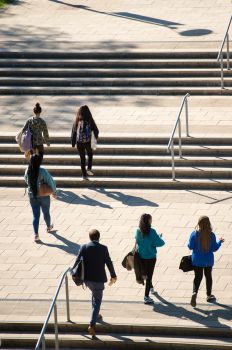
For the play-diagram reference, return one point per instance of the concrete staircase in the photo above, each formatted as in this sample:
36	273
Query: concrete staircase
128	162
16	335
111	73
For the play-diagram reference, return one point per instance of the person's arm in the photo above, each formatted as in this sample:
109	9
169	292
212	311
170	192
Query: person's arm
158	241
25	126
215	245
79	256
95	129
74	135
192	241
45	133
49	180
109	264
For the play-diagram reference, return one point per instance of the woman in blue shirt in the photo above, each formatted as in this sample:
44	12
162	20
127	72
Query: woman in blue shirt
203	244
35	175
147	240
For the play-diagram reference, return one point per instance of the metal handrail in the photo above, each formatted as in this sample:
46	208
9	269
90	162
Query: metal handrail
220	53
170	146
53	306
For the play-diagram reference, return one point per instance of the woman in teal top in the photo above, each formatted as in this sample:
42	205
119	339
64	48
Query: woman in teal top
147	240
35	175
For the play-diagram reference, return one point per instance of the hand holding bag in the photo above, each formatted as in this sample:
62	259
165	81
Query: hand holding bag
186	264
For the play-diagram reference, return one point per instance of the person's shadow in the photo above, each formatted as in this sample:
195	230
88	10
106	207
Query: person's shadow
68	247
209	318
72	198
132	201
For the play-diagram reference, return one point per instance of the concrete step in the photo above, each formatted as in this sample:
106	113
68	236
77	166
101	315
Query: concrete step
126	172
114	91
122	160
125	149
125	182
116	341
141	54
111	73
111	63
114	82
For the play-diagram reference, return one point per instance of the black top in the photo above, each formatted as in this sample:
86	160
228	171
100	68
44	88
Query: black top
95	257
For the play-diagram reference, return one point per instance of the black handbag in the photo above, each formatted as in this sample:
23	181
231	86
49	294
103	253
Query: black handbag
186	264
78	273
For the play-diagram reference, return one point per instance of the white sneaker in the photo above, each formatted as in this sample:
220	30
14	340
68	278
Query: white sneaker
152	291
90	173
148	300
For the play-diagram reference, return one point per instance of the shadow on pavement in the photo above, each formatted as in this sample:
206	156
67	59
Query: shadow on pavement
127	199
72	198
68	246
208	318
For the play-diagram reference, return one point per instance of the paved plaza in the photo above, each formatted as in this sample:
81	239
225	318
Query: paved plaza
30	272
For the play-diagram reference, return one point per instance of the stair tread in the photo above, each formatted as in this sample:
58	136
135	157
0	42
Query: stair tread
124	338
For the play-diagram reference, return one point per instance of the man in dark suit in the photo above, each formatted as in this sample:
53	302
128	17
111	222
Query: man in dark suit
95	256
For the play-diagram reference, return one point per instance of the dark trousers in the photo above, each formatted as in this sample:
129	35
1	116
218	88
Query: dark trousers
97	294
148	270
38	149
82	148
198	278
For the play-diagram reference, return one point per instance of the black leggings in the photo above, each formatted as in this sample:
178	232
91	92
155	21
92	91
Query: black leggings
198	278
148	270
82	147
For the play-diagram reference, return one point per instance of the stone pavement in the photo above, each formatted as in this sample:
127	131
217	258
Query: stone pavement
30	272
120	25
207	115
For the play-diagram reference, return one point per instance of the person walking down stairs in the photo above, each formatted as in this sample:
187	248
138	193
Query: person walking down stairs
39	130
40	186
95	257
84	136
147	242
203	244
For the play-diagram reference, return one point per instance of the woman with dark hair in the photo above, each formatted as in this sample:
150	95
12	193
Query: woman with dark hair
147	240
39	130
84	129
203	243
35	176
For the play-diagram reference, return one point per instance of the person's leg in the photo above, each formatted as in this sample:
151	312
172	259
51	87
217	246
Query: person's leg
39	149
90	155
45	206
35	206
150	271
97	294
81	150
196	284
209	280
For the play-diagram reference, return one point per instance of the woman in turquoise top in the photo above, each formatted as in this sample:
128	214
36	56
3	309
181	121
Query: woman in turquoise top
35	175
147	240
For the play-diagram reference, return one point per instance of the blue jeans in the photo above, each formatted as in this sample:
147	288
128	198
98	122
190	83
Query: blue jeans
97	294
37	204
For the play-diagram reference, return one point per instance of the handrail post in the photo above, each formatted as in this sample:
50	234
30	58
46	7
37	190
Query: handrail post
222	73
43	343
187	117
180	141
67	299
56	328
173	161
228	51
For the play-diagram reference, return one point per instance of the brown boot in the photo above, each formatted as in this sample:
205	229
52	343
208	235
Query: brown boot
91	330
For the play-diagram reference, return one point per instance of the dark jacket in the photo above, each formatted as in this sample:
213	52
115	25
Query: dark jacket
95	257
93	126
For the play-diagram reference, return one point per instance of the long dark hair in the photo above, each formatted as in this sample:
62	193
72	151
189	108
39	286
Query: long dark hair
84	114
33	172
204	228
145	224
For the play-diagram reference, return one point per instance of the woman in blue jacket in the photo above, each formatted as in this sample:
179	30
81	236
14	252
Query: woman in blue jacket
34	175
147	240
203	244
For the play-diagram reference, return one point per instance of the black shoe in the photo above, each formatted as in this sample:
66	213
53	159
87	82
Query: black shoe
211	298
194	300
